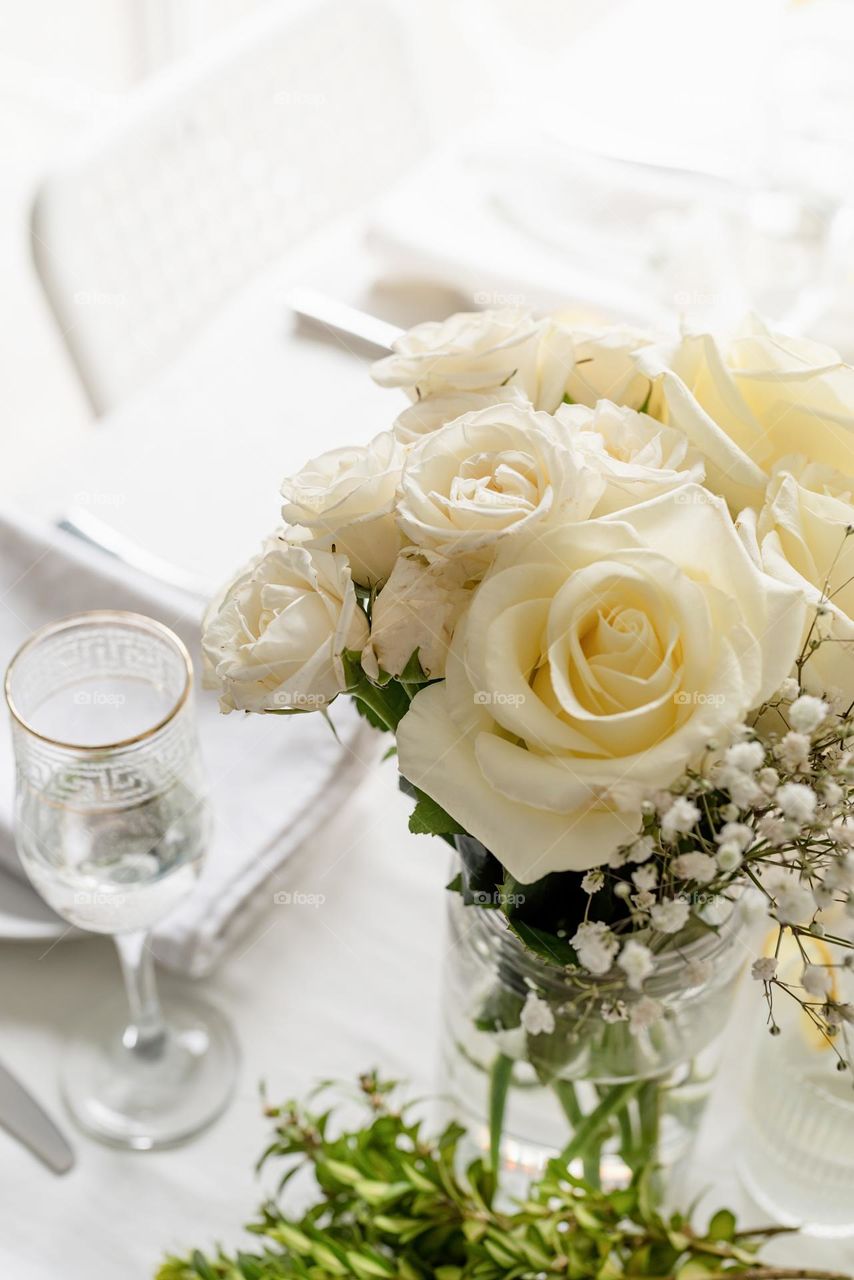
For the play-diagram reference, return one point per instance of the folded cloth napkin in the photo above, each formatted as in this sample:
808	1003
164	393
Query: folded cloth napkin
273	782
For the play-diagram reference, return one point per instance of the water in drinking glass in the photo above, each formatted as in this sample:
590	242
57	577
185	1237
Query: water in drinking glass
124	866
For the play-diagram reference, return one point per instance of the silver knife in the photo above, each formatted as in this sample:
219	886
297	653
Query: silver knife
27	1121
330	313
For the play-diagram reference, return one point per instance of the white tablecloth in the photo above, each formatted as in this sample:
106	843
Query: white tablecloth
192	469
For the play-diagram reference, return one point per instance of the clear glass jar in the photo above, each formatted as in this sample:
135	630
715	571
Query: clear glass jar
608	1097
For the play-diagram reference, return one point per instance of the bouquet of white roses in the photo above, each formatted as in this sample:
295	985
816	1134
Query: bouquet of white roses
600	585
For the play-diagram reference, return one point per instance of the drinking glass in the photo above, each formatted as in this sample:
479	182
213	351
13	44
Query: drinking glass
111	821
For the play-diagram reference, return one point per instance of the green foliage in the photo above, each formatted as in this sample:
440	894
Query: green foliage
391	1202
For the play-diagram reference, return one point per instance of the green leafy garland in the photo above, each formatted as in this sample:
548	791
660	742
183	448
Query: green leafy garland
392	1204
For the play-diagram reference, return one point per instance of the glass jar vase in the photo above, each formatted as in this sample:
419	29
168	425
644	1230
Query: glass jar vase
610	1094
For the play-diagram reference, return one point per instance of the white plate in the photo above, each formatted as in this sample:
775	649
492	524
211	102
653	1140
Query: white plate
23	915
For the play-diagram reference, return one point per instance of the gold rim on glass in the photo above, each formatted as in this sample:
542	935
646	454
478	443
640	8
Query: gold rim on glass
94	616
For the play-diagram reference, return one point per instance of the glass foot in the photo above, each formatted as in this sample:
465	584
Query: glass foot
151	1096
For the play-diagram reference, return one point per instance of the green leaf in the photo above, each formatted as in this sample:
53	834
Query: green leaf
722	1226
499	1084
429	818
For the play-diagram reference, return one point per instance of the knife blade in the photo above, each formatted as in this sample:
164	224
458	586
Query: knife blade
330	313
26	1120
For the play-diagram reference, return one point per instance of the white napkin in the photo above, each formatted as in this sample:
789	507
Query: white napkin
273	780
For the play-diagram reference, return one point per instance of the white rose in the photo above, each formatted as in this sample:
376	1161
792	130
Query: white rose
272	640
476	351
491	474
416	612
426	416
637	456
800	538
747	402
344	501
594	664
605	367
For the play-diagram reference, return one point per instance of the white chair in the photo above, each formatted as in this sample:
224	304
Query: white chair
216	169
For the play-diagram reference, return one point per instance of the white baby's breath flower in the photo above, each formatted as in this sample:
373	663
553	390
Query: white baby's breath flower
645	878
643	900
697	973
839	874
644	1014
636	962
729	856
695	866
729	812
746	757
794	903
613	1011
797	801
831	792
537	1017
737	833
794	750
769	780
772	829
641	850
595	946
816	980
841	832
592	881
671	915
764	969
788	690
807	713
682	815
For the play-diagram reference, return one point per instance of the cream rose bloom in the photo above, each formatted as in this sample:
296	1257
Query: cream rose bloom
426	416
637	456
344	501
747	402
800	538
499	472
594	664
272	640
481	351
415	613
605	366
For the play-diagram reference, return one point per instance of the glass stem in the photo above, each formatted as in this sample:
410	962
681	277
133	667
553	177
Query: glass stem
145	1034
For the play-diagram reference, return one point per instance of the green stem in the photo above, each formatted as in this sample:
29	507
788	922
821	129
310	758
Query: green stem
499	1084
568	1099
649	1107
594	1125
